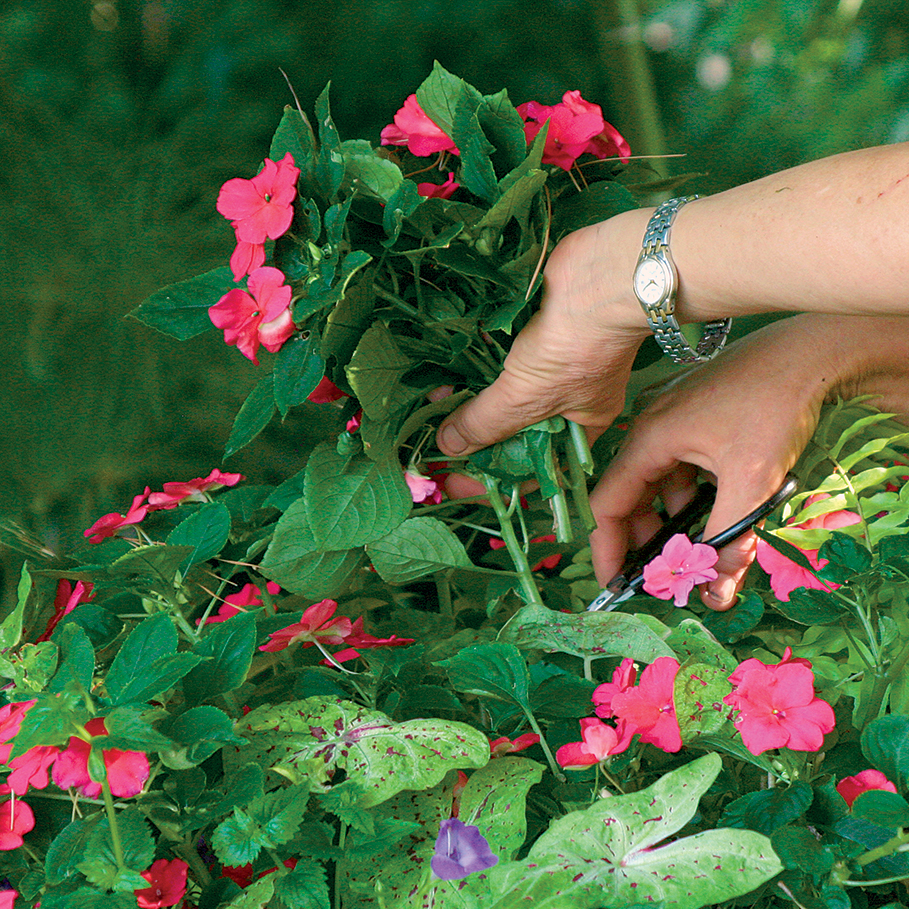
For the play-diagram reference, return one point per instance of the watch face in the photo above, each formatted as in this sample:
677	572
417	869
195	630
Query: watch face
652	280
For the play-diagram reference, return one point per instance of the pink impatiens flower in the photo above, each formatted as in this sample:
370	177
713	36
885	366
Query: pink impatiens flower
16	819
413	128
167	884
851	787
260	208
260	317
246	258
777	705
326	392
175	494
576	127
315	627
504	745
8	899
647	709
785	575
439	190
599	741
127	771
31	769
108	525
248	597
423	489
66	600
682	564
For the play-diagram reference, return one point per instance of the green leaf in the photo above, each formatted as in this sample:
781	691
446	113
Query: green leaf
128	731
51	720
307	739
257	895
152	638
181	310
68	849
77	658
784	548
353	501
101	866
609	854
226	654
514	203
732	625
199	733
329	160
157	562
305	887
298	370
799	849
375	370
402	204
885	743
419	546
295	135
441	93
690	641
11	627
206	531
497	670
154	678
591	635
477	173
367	172
846	558
808	606
698	695
887	809
254	416
769	809
294	559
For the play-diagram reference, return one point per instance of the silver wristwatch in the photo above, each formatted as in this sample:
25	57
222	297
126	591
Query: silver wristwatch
655	284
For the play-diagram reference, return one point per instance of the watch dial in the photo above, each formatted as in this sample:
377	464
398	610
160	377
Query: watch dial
651	281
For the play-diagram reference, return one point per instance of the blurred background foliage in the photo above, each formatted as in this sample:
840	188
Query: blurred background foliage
119	120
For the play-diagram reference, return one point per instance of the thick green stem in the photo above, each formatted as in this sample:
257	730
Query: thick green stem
515	550
580	446
892	845
443	589
578	474
111	812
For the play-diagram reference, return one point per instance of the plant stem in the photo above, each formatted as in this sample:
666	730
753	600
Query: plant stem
550	757
443	589
580	446
111	812
578	474
518	556
342	837
892	845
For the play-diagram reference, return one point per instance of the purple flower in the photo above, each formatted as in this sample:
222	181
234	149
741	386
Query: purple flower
460	850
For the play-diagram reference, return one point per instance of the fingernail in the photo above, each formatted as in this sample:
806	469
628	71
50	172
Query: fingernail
451	441
722	591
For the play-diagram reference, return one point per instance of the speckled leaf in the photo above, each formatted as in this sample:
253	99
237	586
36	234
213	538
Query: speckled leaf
590	635
308	738
690	640
698	697
608	854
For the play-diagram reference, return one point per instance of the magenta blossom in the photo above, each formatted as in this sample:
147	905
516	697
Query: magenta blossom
777	706
576	127
262	318
109	524
16	819
460	850
8	899
413	128
246	258
599	741
315	626
785	575
851	787
326	392
66	600
423	489
439	190
176	493
127	771
248	597
260	208
681	565
504	745
166	884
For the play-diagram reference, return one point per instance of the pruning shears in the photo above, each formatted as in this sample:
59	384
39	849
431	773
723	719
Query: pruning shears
631	578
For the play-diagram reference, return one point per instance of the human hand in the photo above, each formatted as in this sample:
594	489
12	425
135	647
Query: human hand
744	419
574	357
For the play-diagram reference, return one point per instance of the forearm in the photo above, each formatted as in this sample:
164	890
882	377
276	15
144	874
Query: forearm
829	236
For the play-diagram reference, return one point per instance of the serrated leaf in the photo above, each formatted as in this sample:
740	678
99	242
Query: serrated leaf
254	416
159	562
199	733
610	853
384	757
886	809
769	809
101	866
329	159
418	547
181	310
294	135
68	849
257	895
206	532
77	658
153	679
128	731
353	501
799	848
592	635
728	627
151	639
305	887
698	694
497	670
367	172
808	606
226	654
885	743
51	720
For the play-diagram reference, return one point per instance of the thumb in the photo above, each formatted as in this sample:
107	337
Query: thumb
495	414
734	501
